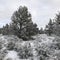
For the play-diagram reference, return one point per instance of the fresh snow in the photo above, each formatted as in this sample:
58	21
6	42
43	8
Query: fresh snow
11	55
42	41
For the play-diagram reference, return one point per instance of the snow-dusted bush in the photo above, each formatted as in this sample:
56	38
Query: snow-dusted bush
10	46
25	52
3	54
42	48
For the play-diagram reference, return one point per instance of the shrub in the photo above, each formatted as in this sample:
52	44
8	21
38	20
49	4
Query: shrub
10	46
25	53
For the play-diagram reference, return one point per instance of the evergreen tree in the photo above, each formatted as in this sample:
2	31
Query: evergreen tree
46	29
57	25
0	30
49	27
5	29
23	25
57	18
41	31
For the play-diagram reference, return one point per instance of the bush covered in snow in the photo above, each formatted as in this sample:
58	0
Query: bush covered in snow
25	52
42	48
10	46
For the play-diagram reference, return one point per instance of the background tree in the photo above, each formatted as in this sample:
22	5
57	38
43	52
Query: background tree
57	25
46	29
0	30
41	31
5	29
57	19
23	25
49	27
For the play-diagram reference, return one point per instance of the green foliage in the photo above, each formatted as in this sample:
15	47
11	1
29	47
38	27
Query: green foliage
49	28
23	25
25	52
3	54
41	31
53	27
5	29
10	46
57	25
57	19
0	45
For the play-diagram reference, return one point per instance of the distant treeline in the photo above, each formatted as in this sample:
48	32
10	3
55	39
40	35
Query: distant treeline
22	25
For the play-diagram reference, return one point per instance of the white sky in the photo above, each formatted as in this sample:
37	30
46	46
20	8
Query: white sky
41	10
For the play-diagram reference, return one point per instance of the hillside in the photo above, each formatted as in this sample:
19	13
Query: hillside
42	48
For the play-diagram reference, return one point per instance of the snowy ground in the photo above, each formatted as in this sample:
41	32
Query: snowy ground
42	48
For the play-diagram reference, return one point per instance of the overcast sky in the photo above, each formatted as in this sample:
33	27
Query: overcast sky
41	10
